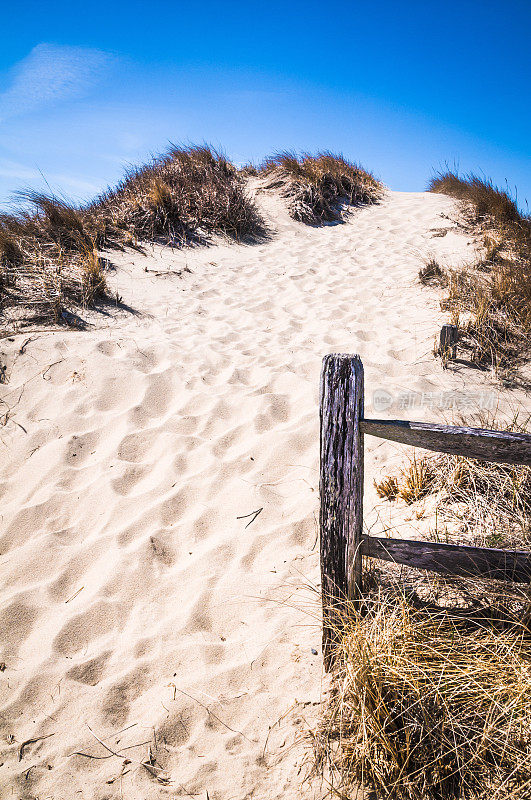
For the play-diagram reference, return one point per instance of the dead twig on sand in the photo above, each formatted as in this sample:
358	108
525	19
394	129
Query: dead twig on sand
75	594
31	741
211	713
102	758
253	514
148	764
48	368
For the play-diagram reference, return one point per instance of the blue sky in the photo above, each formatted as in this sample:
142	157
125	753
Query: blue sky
401	87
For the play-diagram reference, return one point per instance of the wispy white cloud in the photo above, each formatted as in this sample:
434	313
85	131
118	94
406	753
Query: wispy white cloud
49	74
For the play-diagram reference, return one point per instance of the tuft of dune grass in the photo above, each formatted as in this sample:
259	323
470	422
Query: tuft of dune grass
484	503
492	295
316	186
48	258
485	199
488	504
427	704
49	251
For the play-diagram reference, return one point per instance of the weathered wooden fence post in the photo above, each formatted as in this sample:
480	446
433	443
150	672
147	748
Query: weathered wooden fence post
448	341
341	489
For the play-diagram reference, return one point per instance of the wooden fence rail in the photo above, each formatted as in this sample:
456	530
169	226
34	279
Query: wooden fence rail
505	447
343	427
451	559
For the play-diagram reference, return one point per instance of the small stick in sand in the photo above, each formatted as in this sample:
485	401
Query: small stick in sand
30	741
253	514
151	768
74	595
212	713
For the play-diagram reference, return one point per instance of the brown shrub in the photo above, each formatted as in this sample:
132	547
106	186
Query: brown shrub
182	196
432	273
48	260
484	199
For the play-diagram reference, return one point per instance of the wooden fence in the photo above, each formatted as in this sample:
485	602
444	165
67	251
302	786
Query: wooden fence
343	427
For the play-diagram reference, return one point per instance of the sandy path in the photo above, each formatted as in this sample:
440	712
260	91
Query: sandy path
131	593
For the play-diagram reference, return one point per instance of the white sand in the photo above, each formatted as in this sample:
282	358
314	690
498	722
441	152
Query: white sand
133	599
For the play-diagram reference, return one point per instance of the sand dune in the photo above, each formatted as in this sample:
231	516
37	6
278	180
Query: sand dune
143	601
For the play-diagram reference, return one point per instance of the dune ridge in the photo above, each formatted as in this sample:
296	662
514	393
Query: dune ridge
144	601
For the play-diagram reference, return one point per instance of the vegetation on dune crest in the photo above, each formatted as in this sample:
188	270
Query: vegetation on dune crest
490	300
48	258
49	252
316	186
487	200
181	196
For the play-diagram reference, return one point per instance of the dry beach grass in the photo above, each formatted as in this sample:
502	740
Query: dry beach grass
50	260
317	187
428	704
476	502
431	685
181	197
490	299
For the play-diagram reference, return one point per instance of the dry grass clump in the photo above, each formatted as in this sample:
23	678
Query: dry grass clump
182	196
249	170
481	502
494	294
432	274
316	186
411	484
49	251
428	705
491	302
485	199
48	259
